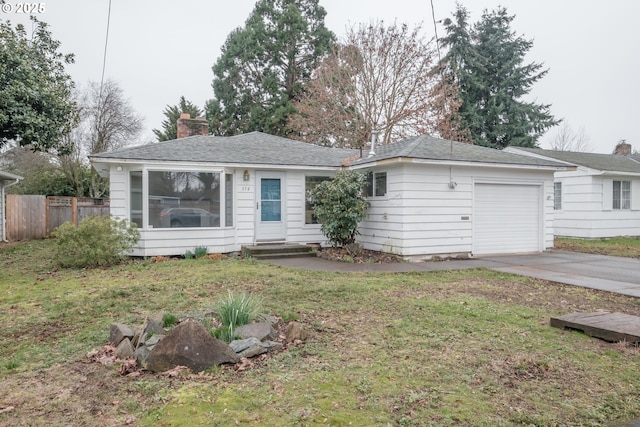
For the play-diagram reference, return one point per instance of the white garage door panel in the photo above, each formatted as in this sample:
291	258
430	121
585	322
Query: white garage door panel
507	219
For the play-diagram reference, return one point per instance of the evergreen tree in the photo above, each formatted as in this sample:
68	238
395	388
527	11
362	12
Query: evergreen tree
36	103
264	66
486	63
172	113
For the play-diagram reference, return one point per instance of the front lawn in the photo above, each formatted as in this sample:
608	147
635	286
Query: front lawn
615	246
457	348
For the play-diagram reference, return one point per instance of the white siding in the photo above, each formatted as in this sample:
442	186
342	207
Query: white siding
156	242
119	193
422	216
297	230
587	209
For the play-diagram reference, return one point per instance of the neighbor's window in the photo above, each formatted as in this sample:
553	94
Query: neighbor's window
557	196
135	186
310	182
376	184
184	199
621	194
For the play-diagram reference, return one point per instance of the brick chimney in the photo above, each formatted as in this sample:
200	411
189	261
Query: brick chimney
622	148
187	126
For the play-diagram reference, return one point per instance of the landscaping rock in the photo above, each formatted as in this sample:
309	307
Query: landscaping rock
190	345
141	355
262	331
241	345
150	342
252	346
295	332
260	348
157	318
154	327
118	332
124	349
272	320
138	338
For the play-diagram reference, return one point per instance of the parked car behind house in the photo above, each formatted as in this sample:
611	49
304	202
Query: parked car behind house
188	217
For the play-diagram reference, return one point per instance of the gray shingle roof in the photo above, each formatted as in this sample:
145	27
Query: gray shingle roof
430	148
258	148
250	148
603	162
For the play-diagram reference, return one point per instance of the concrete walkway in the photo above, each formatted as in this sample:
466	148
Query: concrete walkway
607	273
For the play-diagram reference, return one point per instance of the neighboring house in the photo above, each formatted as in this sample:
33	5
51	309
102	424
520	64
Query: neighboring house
600	198
6	180
427	196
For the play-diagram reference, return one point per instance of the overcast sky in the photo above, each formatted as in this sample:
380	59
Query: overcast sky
159	50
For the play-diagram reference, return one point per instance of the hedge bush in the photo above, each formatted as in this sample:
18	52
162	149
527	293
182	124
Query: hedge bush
97	241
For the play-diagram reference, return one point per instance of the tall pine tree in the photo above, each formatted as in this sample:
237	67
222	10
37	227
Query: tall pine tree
486	63
264	66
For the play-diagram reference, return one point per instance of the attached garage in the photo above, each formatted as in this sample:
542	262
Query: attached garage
508	218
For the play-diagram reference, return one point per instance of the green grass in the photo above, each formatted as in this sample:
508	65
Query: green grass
470	347
615	246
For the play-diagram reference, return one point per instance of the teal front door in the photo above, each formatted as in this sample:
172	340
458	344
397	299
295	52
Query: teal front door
270	207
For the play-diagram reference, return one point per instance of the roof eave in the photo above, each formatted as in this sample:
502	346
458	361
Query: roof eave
103	164
396	160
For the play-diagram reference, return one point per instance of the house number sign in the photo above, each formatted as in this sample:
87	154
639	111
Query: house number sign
246	188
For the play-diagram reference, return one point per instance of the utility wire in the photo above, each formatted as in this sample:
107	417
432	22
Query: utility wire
435	30
104	57
444	91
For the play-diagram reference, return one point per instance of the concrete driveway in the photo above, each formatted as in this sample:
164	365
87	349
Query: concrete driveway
607	273
614	274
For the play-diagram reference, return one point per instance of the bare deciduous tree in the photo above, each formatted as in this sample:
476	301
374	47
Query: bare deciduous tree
107	122
568	139
380	77
445	102
112	122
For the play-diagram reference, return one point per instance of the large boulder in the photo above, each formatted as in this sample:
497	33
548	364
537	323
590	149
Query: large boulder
189	344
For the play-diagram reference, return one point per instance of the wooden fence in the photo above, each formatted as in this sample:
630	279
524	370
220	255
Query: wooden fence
34	217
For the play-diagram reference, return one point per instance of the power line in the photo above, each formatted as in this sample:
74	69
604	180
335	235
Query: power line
435	30
104	57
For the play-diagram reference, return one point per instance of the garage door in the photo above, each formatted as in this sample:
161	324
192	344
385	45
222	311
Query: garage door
507	219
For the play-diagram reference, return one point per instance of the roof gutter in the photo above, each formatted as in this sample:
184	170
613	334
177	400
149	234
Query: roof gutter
396	160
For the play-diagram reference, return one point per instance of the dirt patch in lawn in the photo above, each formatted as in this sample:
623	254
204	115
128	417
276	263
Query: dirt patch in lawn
81	393
70	394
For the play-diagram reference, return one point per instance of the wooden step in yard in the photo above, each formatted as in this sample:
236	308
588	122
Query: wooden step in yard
271	251
613	327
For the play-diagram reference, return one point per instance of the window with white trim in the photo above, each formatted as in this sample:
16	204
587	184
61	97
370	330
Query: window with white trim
184	199
557	196
621	194
376	184
310	182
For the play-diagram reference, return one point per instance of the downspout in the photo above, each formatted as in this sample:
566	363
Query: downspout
4	202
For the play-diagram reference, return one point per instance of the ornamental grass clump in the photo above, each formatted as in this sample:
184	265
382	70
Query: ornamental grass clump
236	309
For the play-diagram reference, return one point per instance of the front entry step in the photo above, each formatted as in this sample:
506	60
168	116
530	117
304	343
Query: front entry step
278	251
